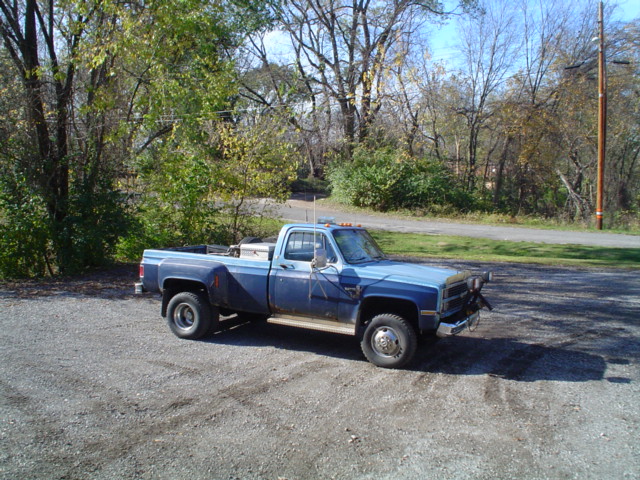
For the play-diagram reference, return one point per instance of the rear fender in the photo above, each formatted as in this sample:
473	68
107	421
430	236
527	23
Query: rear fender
185	275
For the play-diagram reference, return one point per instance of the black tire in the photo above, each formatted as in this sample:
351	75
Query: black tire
389	341
190	315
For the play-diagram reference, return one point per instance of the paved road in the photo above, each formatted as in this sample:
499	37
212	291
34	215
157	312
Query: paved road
300	210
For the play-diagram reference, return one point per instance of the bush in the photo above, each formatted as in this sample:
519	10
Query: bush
32	244
385	179
24	231
96	220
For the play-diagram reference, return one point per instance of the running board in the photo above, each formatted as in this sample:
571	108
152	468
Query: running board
313	324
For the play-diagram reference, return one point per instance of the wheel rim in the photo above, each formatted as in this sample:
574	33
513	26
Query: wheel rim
184	316
386	342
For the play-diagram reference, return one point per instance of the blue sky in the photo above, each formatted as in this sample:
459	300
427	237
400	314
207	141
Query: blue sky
442	39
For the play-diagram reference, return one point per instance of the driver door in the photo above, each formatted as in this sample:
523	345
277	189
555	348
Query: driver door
297	289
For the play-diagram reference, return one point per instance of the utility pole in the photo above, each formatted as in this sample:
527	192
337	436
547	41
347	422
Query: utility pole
602	116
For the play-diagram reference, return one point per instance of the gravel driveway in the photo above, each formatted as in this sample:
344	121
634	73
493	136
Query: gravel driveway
94	385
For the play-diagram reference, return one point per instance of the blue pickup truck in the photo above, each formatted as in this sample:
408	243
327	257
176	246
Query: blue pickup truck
328	277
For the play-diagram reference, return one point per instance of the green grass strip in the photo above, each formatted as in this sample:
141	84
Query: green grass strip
468	248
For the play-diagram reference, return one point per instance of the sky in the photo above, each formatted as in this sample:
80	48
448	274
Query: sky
442	39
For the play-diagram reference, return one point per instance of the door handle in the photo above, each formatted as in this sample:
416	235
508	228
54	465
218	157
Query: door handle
287	265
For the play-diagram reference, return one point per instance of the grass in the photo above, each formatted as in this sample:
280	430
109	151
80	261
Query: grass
467	248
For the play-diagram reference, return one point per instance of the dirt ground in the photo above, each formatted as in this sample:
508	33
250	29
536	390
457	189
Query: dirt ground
94	385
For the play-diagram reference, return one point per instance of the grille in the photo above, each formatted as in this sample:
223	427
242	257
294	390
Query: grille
455	290
454	296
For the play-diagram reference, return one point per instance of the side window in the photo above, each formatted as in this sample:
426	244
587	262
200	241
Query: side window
300	247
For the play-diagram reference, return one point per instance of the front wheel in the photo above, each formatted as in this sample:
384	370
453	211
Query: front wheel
389	341
190	316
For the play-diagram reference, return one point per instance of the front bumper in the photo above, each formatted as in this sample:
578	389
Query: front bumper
449	329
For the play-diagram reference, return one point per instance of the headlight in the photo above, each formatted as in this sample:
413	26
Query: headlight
474	284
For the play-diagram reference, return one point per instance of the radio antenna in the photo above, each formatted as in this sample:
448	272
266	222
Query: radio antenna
314	227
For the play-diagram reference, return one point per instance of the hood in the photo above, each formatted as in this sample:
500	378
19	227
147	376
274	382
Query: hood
402	272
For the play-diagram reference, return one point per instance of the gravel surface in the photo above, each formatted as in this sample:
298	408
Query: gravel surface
94	385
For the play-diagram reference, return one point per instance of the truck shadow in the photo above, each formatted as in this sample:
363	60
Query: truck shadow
510	359
505	358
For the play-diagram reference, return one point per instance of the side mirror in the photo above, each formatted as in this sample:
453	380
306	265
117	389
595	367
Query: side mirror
320	258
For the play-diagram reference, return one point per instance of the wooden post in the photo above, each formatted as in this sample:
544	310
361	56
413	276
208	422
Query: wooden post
602	118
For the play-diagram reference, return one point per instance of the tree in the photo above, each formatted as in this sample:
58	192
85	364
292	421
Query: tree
23	26
343	49
488	44
622	169
528	109
549	114
44	42
214	190
101	82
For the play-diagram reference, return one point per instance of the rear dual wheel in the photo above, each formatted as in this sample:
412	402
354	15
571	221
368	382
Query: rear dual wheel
190	315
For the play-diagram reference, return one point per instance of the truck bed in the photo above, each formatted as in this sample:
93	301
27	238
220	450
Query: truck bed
243	282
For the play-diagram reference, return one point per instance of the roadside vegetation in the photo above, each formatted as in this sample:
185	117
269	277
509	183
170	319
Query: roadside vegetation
126	125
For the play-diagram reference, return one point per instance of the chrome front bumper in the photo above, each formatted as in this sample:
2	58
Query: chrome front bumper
448	329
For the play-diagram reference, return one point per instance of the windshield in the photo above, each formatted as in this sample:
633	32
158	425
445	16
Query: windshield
357	246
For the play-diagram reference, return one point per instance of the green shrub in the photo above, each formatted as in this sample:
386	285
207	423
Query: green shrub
25	231
387	179
97	219
32	244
